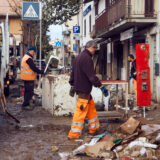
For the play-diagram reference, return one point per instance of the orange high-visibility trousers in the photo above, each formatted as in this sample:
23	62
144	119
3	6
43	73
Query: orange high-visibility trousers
135	86
88	111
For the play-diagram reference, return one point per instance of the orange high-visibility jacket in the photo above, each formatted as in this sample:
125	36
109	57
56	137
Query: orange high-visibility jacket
26	72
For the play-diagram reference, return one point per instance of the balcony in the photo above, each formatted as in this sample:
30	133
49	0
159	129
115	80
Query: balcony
123	15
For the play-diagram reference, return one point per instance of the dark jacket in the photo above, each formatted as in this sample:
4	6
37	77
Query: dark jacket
83	75
133	70
32	65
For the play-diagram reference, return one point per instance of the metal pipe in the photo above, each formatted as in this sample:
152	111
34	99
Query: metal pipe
144	112
158	34
62	49
40	49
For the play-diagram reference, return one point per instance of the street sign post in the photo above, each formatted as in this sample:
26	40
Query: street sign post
75	47
31	10
58	44
76	29
76	36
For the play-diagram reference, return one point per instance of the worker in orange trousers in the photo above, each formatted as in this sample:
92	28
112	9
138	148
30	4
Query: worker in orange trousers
81	80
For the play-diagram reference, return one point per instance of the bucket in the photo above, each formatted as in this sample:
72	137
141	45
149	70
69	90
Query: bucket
38	101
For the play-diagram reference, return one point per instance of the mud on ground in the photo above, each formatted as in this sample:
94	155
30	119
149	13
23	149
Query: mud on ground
39	131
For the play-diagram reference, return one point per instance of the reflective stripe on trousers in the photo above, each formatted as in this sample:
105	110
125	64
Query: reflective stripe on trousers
92	118
93	123
88	111
27	72
77	125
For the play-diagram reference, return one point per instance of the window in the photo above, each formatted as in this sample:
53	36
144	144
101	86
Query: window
96	7
84	27
107	4
90	24
149	8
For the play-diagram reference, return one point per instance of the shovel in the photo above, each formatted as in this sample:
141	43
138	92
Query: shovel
3	105
49	61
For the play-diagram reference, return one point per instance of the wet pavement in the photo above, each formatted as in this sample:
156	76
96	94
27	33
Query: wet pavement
38	132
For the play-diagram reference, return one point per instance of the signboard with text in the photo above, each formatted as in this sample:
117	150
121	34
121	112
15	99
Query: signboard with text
126	35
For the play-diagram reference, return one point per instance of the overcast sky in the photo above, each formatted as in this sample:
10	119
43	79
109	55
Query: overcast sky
55	32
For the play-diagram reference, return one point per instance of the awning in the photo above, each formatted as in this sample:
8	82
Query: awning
86	1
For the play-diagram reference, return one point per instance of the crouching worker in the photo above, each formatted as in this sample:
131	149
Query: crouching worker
81	80
28	75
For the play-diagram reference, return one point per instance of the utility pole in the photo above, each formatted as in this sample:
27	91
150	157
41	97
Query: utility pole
157	58
158	34
77	41
63	45
40	41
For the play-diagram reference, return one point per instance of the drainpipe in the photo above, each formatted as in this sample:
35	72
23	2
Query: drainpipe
128	7
158	52
158	33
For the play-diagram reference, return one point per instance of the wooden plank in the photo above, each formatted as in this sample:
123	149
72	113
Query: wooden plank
108	114
114	81
130	126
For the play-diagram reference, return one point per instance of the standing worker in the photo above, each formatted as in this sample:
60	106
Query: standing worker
133	72
81	80
28	75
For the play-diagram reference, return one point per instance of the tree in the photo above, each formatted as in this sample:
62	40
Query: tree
59	11
53	12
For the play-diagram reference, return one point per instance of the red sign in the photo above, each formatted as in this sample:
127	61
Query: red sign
143	75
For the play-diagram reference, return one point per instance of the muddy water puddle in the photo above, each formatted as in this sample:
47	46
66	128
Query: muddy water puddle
39	131
34	143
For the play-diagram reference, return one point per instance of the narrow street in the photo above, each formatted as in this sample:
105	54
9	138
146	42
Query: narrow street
39	132
35	136
81	78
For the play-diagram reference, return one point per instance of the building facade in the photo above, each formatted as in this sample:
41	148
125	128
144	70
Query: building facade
15	23
119	26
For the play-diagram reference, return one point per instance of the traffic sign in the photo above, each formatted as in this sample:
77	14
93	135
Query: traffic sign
31	10
75	47
58	44
76	29
76	36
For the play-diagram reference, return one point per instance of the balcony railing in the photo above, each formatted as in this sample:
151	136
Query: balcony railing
117	11
123	9
101	22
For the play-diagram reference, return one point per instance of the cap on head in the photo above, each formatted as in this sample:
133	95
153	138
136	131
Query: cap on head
131	56
91	43
32	48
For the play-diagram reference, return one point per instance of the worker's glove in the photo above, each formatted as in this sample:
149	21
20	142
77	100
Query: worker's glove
42	73
104	91
72	91
130	77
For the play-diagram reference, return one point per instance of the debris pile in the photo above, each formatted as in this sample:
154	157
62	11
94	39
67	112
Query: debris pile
132	140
